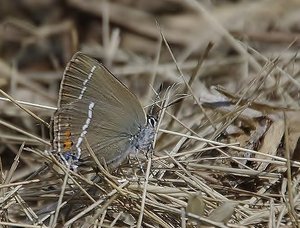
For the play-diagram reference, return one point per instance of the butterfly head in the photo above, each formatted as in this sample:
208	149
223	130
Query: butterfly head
143	141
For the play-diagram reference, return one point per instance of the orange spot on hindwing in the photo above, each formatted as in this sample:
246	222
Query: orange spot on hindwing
67	141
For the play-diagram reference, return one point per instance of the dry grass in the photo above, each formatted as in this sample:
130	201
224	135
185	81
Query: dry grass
226	152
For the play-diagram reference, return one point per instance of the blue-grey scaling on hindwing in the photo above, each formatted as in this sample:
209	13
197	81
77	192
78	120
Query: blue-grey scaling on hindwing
95	105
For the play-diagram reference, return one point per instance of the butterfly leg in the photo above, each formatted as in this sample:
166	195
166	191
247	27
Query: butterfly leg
140	164
149	152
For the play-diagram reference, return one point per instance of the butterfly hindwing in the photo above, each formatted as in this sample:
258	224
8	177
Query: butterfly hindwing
95	105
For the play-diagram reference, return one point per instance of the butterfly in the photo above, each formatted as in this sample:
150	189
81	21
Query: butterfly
94	105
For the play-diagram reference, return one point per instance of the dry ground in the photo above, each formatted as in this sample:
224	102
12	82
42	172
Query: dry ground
227	152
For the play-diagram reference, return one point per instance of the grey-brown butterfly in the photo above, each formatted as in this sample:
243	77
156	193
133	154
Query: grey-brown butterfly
95	105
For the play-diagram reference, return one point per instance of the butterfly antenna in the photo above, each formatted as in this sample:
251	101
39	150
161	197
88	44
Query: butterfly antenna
154	109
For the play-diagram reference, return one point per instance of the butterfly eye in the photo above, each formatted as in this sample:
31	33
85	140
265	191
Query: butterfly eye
152	121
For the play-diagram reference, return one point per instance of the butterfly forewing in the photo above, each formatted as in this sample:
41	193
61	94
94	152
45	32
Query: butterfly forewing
95	105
